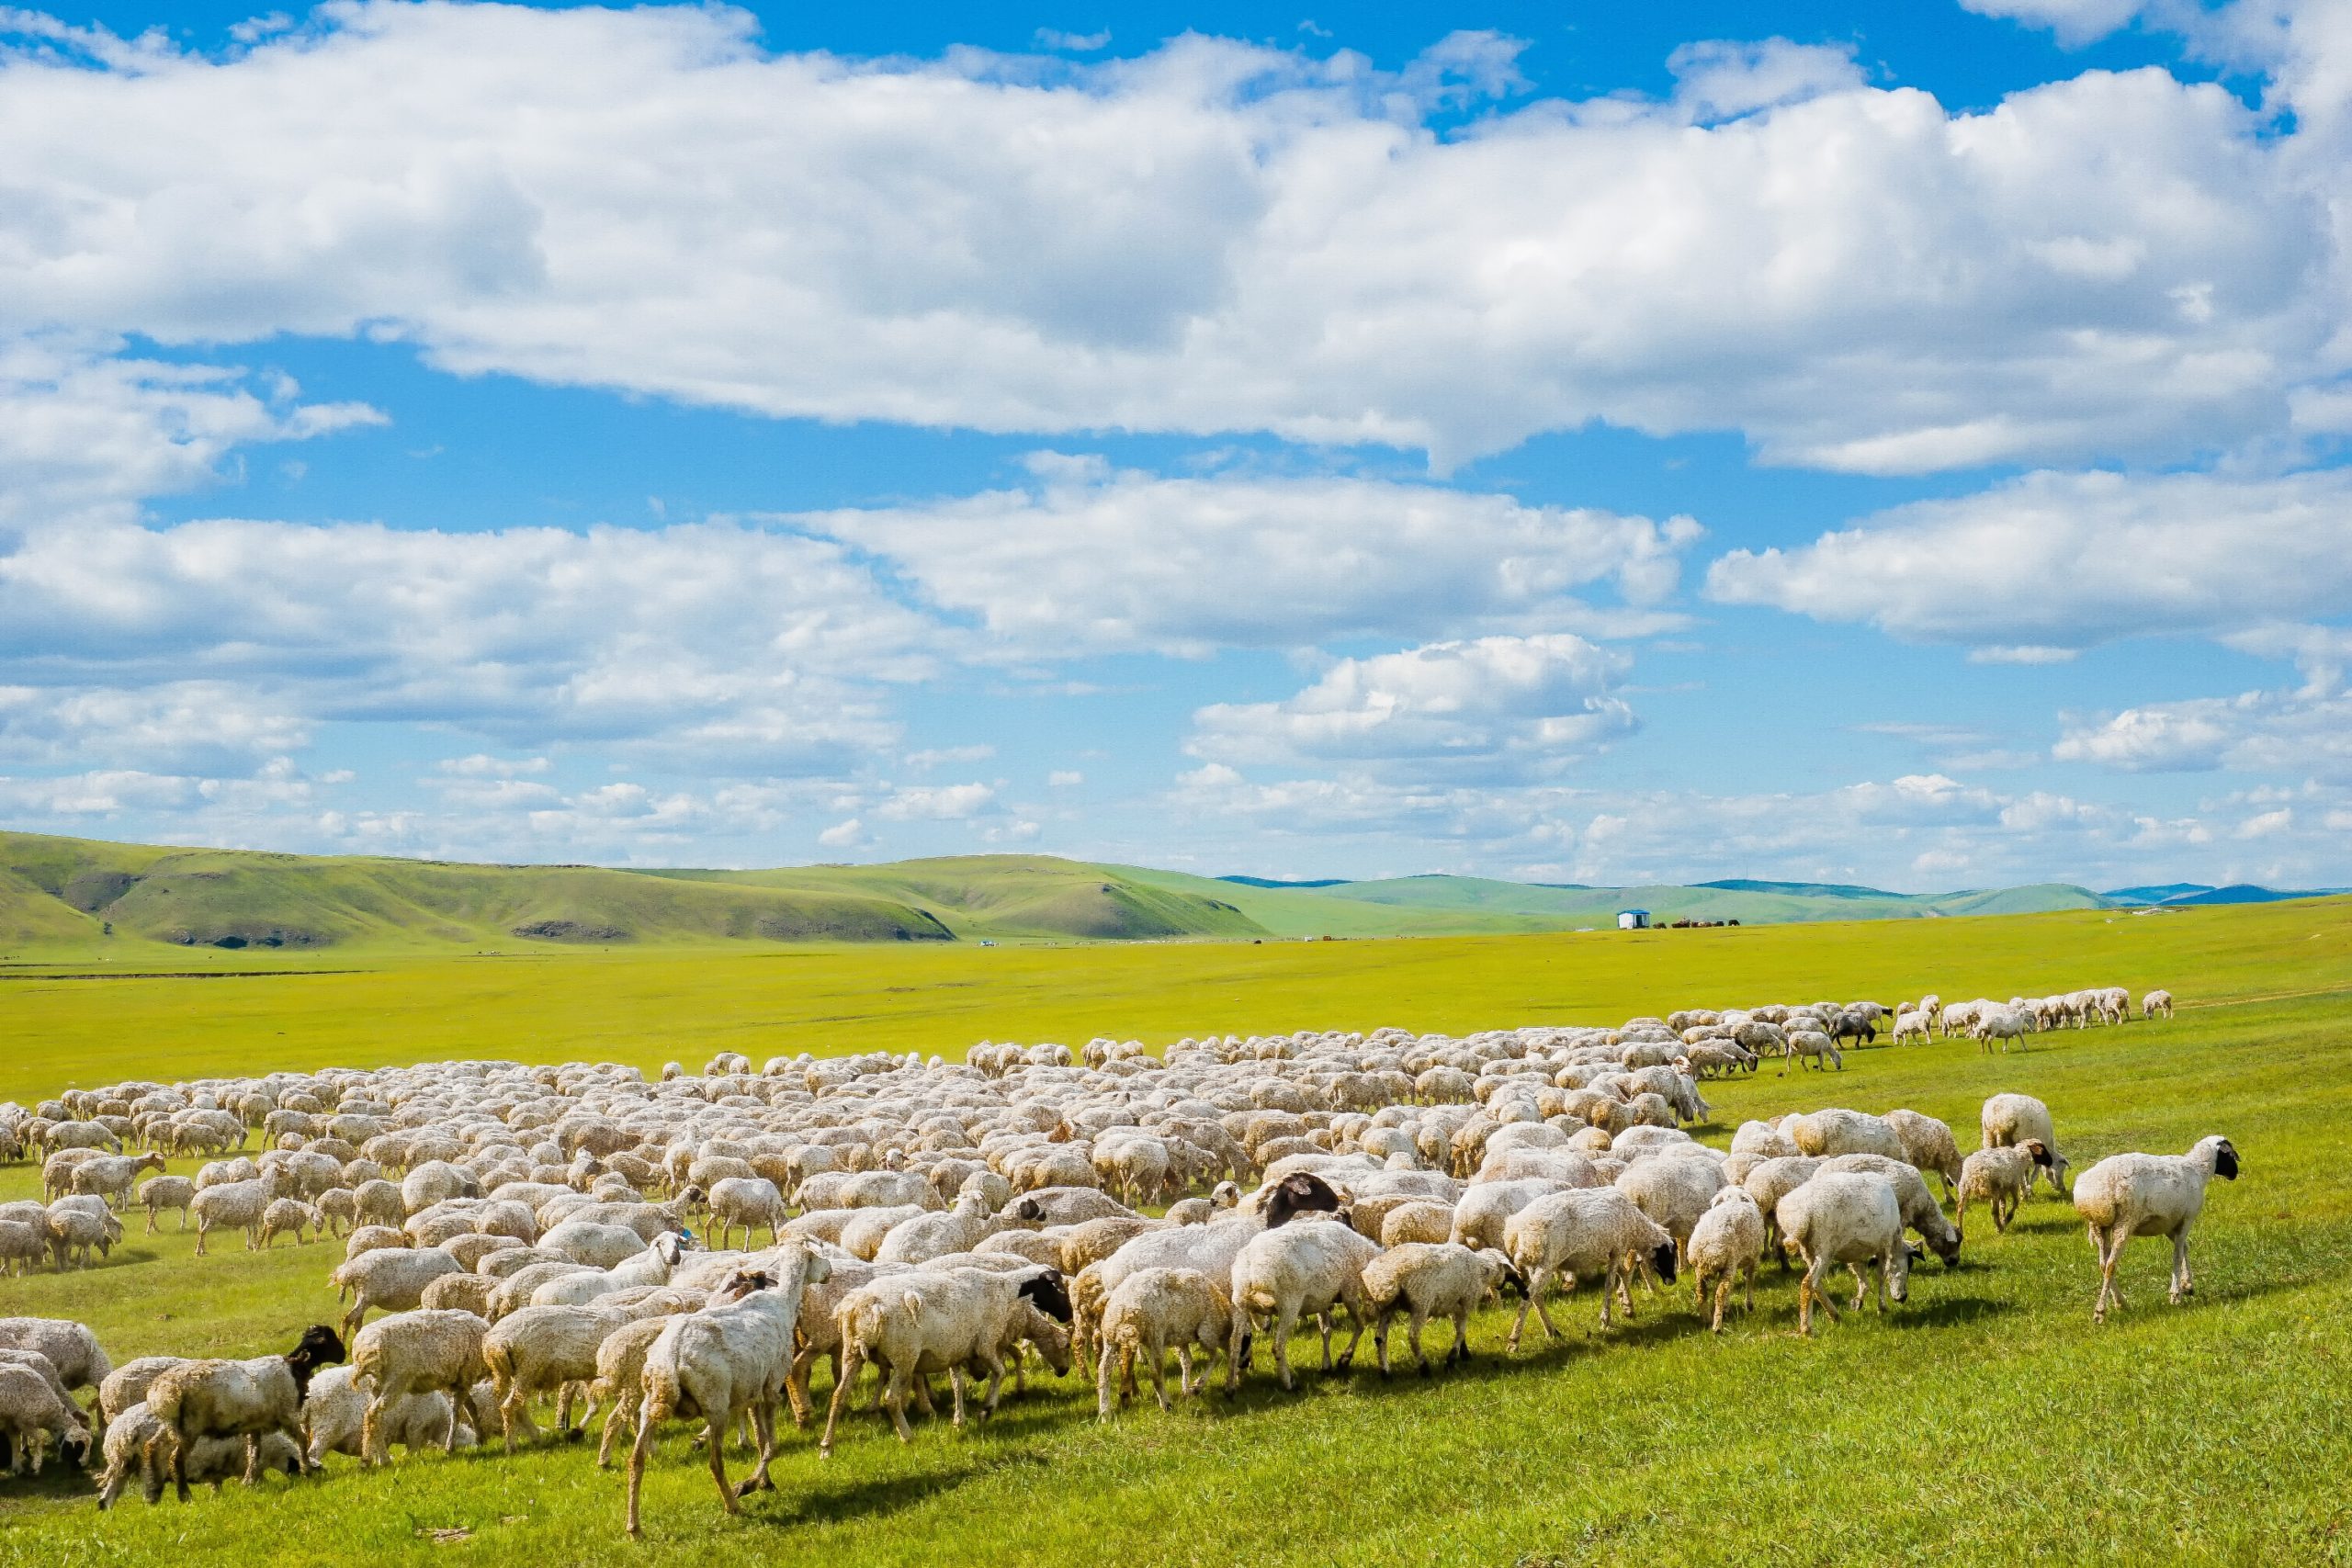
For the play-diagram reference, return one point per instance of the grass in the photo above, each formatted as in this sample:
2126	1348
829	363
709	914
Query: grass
1986	1421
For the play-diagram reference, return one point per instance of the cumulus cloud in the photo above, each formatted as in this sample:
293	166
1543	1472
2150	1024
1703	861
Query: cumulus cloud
2034	570
1210	237
1498	705
939	803
1093	559
2075	22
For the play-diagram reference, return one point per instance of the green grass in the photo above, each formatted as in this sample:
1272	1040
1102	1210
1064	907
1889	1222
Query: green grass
1986	1421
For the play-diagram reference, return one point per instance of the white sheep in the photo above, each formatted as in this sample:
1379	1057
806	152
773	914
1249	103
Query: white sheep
1298	1268
1723	1248
1431	1279
2127	1195
2004	1025
34	1411
2156	1004
1926	1143
725	1363
158	1193
410	1355
1812	1046
1151	1312
1850	1218
232	1399
233	1205
931	1320
2000	1177
1585	1231
389	1278
210	1459
745	1201
335	1418
2011	1119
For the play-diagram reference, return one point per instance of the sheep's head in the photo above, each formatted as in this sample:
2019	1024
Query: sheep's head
2039	1151
318	1346
1050	1292
2226	1159
1898	1270
1662	1260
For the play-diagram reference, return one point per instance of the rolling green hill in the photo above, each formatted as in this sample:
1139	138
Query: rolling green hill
84	895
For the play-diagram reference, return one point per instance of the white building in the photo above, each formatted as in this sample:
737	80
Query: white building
1632	920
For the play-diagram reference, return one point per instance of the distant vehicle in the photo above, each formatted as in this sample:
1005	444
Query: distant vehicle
988	942
1632	920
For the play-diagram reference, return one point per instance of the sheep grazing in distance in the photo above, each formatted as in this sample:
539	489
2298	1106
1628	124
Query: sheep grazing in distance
70	1347
233	1205
1725	1248
232	1399
1850	1218
2156	1004
1155	1311
2001	1178
1810	1045
2161	1195
1432	1280
160	1192
2004	1025
1597	1231
2010	1118
725	1364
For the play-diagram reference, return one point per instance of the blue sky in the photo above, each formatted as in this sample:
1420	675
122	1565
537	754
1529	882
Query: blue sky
1900	444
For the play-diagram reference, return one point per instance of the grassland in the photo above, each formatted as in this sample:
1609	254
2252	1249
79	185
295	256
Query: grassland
1986	1421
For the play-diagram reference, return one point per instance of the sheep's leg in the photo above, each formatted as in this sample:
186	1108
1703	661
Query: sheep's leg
1862	1285
1751	1285
2183	1285
894	1399
612	1425
1105	1376
1285	1316
795	1387
714	1439
2108	1257
1534	1300
1353	1302
1160	1372
1413	1327
1323	1324
844	1372
762	1422
1461	1351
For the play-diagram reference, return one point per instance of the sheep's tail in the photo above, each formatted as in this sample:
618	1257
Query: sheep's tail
498	1358
164	1400
364	1358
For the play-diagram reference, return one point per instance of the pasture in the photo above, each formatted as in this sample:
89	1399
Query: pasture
1986	1420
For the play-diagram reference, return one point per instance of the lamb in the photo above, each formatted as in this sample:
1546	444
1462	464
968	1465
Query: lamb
1211	1248
1583	1231
619	1385
2001	1178
1851	1218
286	1214
1725	1245
2127	1195
335	1418
944	1320
724	1363
413	1355
34	1409
1427	1280
391	1278
1152	1311
1297	1269
1927	1143
212	1460
160	1192
2010	1118
2156	1004
233	1205
232	1399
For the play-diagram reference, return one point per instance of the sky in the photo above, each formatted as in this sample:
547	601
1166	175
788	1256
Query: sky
1900	442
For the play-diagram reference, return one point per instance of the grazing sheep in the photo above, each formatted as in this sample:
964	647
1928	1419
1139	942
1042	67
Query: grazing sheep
1911	1195
68	1347
2000	1177
2156	1004
410	1355
285	1214
1840	1131
34	1410
1927	1143
160	1192
1585	1231
1809	1045
109	1178
389	1278
1673	1192
2127	1195
1427	1280
725	1363
211	1460
22	1246
1723	1248
1850	1218
233	1205
1297	1270
746	1200
544	1350
938	1320
74	1232
335	1418
1416	1220
2010	1118
1153	1311
1764	1139
232	1399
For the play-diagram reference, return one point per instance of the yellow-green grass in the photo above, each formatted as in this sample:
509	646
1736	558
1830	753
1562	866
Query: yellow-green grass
1987	1420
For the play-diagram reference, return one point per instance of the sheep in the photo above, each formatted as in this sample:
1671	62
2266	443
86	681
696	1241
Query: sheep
2127	1195
654	1265
237	1205
1811	1046
1764	1139
70	1347
723	1363
1427	1280
210	1460
335	1418
1851	1218
1840	1131
75	1233
2156	1004
160	1192
34	1409
1911	1194
544	1348
232	1399
1673	1192
1583	1231
288	1214
410	1355
594	1244
110	1177
1152	1311
1416	1219
22	1246
745	1201
1912	1025
1480	1216
1771	1181
1723	1248
391	1278
1927	1143
1211	1248
1294	1270
1065	1206
939	1320
2000	1177
2009	1119
935	1233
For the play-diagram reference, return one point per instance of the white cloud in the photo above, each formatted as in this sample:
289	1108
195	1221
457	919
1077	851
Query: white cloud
1210	237
2305	734
1090	560
1498	705
2076	22
204	725
2050	563
482	765
1064	778
942	802
847	834
943	755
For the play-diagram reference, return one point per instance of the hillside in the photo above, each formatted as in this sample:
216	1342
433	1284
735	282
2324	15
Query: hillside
59	894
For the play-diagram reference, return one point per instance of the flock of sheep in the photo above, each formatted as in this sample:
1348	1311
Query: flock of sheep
524	1233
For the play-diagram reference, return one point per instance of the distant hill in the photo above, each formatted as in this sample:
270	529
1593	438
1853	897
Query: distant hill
2175	895
75	892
